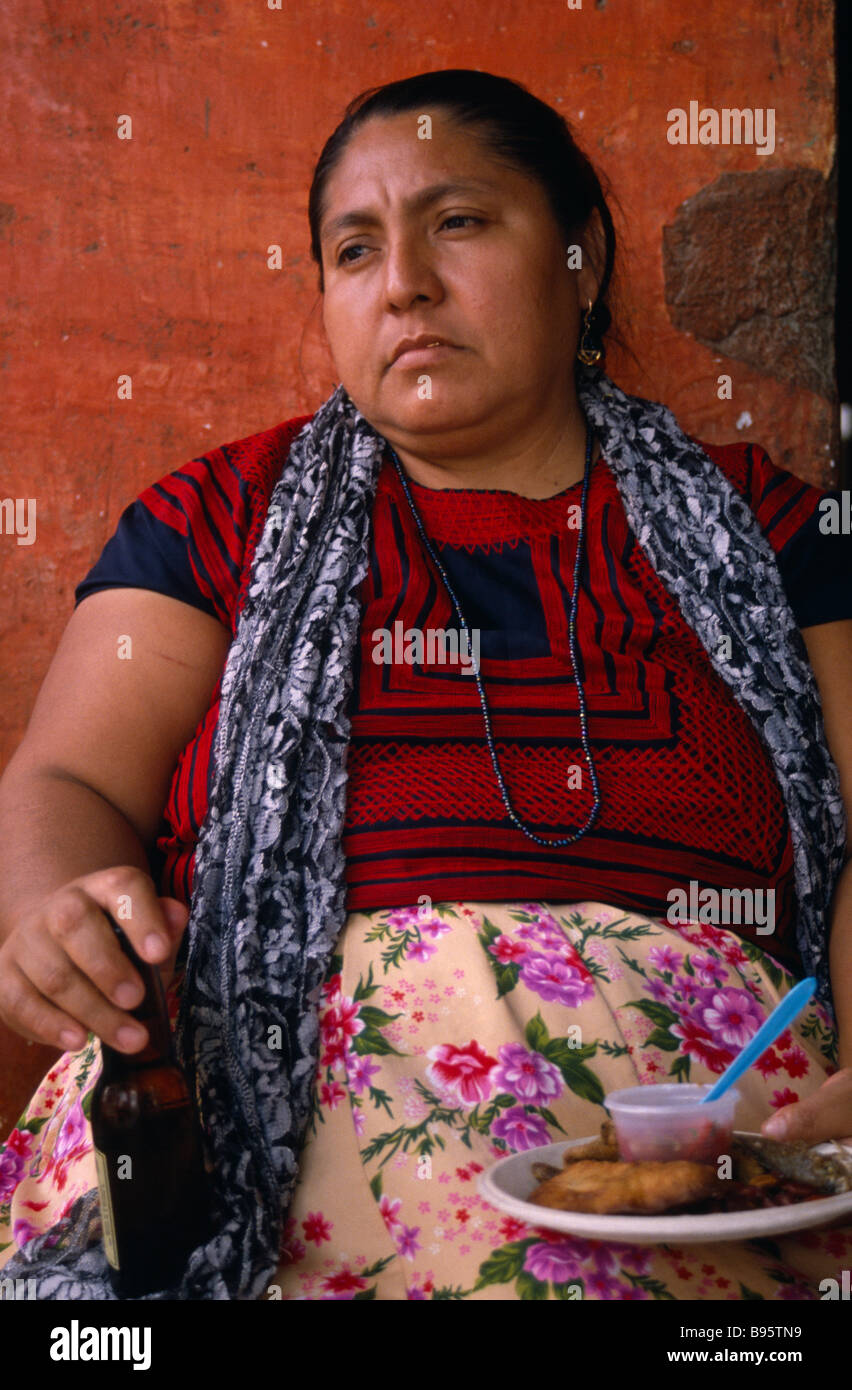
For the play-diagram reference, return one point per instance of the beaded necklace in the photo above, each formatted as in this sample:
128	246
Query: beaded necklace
572	641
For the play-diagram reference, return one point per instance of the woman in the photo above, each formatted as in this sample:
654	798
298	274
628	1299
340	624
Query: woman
445	893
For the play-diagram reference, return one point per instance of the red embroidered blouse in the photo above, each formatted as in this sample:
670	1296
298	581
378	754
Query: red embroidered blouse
688	792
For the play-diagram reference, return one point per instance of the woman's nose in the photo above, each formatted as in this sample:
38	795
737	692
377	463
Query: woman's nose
410	273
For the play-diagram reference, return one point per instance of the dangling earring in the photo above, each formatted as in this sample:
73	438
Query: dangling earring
590	350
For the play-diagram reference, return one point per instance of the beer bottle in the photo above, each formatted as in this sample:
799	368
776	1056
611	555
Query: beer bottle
154	1191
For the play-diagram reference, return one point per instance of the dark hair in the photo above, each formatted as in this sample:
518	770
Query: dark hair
515	126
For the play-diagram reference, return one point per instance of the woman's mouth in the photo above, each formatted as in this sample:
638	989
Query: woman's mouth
422	356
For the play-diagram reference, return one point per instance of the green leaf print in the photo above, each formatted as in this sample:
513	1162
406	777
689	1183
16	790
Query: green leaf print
370	1271
568	1059
507	975
572	1291
376	1018
663	1039
29	1126
813	1028
536	1034
775	973
381	1100
747	1293
364	1295
503	1265
483	1123
652	1286
371	1040
657	1013
758	955
366	987
782	979
418	1136
376	1186
400	940
528	1287
578	1077
629	933
681	1067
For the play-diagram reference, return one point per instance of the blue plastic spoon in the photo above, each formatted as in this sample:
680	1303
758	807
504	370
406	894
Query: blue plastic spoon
790	1007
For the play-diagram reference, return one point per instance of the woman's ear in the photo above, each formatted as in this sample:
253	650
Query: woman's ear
593	243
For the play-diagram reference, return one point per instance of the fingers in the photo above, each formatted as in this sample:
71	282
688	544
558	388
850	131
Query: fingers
63	973
130	896
827	1114
78	935
59	983
177	916
30	1014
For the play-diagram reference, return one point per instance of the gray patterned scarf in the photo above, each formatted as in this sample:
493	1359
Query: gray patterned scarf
268	904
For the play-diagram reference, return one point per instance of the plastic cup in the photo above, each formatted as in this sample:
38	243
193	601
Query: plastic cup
665	1123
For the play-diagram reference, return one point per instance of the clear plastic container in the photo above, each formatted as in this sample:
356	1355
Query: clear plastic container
665	1123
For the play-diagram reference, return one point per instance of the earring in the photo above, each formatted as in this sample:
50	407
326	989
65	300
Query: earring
590	350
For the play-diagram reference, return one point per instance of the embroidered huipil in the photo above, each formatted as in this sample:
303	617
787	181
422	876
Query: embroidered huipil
688	793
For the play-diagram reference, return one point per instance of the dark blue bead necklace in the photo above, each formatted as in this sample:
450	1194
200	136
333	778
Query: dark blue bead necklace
572	642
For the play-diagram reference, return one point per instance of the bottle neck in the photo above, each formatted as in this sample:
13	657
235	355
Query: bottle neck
157	1053
152	1013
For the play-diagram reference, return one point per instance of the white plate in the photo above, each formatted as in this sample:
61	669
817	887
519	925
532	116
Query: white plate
508	1183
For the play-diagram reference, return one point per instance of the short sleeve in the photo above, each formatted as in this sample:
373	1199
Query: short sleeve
184	536
804	525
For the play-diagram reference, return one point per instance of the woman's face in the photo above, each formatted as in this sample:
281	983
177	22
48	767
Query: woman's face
482	265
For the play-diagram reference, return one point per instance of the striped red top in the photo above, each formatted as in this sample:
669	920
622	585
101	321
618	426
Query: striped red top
688	792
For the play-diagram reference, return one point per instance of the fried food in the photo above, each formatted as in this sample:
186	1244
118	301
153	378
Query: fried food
604	1186
542	1171
766	1173
605	1147
748	1168
798	1162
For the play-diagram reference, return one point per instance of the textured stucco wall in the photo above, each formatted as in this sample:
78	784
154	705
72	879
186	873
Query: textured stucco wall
148	256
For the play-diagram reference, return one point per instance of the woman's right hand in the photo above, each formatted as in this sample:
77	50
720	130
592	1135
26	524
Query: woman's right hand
62	972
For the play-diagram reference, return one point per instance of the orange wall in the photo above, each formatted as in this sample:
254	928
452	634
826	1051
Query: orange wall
148	256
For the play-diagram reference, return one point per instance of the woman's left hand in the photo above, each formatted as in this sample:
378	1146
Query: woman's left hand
827	1114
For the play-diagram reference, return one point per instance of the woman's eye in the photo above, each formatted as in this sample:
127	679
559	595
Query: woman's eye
460	217
345	252
343	258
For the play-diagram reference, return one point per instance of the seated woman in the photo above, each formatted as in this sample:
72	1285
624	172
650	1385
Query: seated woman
458	877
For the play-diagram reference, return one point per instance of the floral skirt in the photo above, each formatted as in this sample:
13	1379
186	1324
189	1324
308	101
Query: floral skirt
456	1034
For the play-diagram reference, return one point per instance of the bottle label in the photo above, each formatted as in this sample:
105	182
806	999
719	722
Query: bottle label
107	1217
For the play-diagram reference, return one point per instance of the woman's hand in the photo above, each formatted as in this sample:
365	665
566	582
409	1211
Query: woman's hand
62	972
827	1114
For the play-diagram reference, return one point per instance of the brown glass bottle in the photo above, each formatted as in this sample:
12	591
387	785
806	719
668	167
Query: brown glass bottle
154	1191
